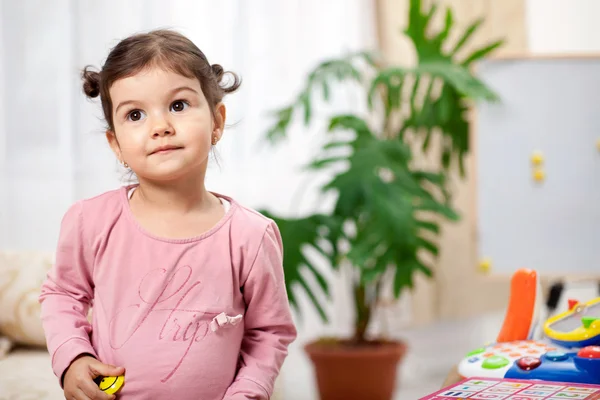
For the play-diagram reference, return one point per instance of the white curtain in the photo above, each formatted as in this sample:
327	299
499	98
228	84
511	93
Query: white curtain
52	146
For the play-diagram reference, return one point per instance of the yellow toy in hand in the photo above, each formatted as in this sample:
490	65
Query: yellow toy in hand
110	384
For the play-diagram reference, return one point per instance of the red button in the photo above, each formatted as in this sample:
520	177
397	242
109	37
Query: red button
572	303
589	352
528	363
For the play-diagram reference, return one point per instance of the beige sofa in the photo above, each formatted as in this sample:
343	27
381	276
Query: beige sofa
25	369
25	374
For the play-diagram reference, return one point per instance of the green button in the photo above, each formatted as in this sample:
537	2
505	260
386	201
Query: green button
495	362
587	321
475	352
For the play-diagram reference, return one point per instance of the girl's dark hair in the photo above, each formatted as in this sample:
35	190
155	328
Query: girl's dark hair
164	48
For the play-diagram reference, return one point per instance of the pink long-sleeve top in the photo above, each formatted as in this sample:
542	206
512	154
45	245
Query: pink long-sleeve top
200	318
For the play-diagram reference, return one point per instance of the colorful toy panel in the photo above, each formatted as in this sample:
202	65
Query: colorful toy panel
514	389
496	360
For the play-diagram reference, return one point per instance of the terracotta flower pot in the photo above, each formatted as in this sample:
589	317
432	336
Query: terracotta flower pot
356	372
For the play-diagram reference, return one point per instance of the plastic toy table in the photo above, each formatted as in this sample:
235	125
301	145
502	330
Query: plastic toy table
514	389
567	351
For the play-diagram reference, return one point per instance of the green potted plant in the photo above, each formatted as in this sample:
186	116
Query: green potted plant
387	210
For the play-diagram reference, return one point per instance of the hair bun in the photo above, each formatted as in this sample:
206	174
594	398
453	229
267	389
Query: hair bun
218	71
91	82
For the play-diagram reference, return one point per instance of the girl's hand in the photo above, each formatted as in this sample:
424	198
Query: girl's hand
79	379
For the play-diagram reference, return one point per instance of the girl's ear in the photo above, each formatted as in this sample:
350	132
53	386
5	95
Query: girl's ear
114	144
220	117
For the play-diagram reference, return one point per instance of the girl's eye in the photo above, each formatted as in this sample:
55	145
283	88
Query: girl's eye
136	115
179	106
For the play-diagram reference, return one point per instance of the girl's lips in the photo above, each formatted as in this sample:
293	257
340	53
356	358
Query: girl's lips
166	150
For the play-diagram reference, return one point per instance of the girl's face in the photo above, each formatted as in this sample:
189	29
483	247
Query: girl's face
163	125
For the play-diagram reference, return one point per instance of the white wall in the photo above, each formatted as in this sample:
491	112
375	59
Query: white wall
563	26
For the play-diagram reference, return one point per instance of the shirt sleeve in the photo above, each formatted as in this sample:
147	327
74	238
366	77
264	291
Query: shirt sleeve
66	295
269	328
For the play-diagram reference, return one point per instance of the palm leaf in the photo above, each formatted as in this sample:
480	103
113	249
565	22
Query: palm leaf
319	79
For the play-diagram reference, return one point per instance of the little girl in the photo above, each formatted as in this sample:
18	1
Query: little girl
186	286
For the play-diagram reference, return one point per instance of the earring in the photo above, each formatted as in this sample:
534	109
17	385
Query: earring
125	164
215	140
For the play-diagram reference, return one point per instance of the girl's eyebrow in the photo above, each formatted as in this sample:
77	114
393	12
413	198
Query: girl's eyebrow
183	88
176	90
124	103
